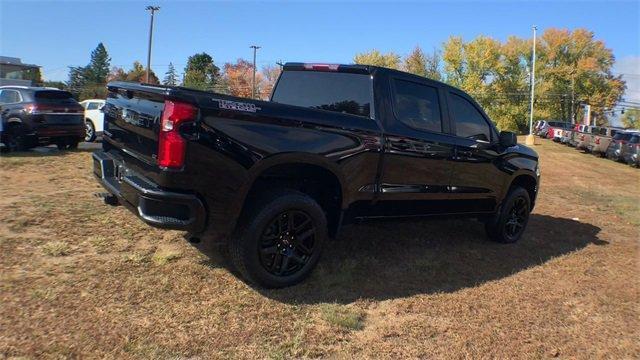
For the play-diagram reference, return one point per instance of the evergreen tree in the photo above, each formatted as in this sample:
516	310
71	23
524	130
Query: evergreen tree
98	68
201	72
170	77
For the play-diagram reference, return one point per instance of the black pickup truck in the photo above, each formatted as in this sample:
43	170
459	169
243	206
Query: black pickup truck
335	143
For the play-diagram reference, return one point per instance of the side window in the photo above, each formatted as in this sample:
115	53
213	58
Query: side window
9	97
469	122
417	105
93	106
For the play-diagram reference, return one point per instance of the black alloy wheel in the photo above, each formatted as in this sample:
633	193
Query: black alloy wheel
287	243
517	218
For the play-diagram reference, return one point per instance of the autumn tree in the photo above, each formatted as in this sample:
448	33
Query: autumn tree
374	57
170	77
416	62
269	74
201	72
139	74
238	78
117	74
571	67
631	118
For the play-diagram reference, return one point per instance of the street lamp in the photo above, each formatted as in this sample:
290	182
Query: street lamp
153	9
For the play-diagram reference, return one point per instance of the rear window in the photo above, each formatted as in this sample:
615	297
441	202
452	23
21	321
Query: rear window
52	95
622	136
635	139
338	92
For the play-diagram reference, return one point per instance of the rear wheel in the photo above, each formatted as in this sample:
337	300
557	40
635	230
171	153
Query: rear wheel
16	139
91	131
279	242
67	143
509	223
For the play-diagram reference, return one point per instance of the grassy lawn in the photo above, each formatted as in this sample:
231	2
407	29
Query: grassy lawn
81	279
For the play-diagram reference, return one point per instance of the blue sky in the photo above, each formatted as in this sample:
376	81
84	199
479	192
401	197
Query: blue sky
62	33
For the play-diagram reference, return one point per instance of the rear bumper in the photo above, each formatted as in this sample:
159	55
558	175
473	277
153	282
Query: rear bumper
51	131
156	207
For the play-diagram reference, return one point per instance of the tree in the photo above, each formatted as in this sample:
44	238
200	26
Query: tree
569	65
201	72
117	74
416	62
34	75
98	68
270	74
170	77
433	66
89	81
631	118
374	57
239	76
55	84
139	74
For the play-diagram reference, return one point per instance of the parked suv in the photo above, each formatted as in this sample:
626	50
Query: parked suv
40	116
334	144
632	149
93	118
616	148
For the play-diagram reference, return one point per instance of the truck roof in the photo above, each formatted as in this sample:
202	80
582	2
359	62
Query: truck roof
351	68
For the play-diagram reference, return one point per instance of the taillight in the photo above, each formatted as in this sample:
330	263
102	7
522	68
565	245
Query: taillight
597	141
321	67
171	145
39	109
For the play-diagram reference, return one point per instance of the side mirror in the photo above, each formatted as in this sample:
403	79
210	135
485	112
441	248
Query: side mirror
508	139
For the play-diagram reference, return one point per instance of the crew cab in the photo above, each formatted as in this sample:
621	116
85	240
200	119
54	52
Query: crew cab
335	143
40	116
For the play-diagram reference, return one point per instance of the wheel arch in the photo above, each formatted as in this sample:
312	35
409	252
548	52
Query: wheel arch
528	182
310	174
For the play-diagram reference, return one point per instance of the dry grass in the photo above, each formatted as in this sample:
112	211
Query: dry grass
394	289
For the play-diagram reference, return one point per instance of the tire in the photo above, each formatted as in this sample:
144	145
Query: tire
509	223
67	143
16	140
279	241
91	131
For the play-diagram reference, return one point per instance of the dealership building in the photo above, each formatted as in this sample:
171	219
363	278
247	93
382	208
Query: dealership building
14	72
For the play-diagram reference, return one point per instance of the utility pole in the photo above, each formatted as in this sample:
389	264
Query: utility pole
530	138
253	83
280	63
573	96
153	10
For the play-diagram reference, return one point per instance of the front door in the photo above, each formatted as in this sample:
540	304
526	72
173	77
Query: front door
476	180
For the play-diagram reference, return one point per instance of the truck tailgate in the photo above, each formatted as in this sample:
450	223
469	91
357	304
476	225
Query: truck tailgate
132	119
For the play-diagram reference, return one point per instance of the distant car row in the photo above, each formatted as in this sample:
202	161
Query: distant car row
612	142
32	116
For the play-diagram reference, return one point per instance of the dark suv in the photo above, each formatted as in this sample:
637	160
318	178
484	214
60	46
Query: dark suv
35	116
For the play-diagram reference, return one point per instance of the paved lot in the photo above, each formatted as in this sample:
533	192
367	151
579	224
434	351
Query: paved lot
80	279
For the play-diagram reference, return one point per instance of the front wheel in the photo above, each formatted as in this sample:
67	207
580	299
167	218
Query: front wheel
90	131
508	224
278	243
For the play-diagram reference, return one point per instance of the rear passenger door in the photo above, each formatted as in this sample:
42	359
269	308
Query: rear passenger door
476	181
416	167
